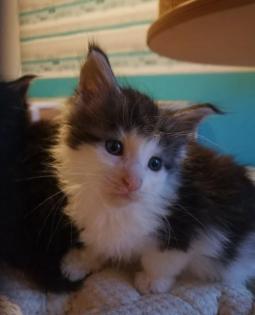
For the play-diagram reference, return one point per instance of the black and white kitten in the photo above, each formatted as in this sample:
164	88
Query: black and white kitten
34	232
139	186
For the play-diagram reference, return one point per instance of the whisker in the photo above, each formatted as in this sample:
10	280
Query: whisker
45	200
169	229
53	209
192	216
210	141
57	208
34	177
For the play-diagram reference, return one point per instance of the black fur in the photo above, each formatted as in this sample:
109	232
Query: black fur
215	192
34	232
129	110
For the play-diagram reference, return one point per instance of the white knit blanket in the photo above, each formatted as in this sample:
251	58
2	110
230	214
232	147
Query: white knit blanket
111	292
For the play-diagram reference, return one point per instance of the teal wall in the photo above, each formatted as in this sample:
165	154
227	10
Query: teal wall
234	93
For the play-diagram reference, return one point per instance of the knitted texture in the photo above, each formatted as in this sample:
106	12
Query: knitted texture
111	292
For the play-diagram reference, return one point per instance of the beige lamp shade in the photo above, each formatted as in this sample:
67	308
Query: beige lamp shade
205	31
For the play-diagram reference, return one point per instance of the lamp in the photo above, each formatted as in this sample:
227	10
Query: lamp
205	31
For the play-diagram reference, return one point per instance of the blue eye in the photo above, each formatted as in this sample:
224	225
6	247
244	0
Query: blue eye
114	147
155	163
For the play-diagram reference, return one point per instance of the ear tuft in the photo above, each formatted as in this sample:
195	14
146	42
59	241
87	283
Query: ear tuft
185	121
193	115
93	47
206	109
96	74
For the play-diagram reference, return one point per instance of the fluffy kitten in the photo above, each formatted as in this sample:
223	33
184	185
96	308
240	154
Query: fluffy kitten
34	231
139	186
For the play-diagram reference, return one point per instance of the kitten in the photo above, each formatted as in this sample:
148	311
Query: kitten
34	232
139	186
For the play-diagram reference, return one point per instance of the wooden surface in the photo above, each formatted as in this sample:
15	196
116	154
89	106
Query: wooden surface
206	31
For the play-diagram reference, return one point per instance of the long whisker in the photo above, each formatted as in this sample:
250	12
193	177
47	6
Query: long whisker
210	141
192	216
57	207
34	177
169	229
53	209
45	200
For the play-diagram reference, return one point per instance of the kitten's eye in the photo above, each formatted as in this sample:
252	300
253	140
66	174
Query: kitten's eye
114	147
155	163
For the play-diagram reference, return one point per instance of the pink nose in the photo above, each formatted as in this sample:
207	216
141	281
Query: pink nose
131	183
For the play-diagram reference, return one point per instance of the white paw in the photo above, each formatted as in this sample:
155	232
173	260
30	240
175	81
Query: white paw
73	266
146	284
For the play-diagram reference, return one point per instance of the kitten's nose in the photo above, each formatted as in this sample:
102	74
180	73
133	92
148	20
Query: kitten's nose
131	183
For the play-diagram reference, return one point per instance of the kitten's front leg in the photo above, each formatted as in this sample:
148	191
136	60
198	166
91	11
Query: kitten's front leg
160	270
79	262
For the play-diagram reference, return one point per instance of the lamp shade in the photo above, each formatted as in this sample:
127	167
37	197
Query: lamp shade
205	31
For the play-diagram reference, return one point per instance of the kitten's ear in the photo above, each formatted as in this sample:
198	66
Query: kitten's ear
96	74
22	84
189	118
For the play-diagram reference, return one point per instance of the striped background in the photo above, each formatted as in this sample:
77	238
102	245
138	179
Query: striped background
54	36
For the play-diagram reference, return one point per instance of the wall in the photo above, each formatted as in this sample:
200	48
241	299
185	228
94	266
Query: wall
54	35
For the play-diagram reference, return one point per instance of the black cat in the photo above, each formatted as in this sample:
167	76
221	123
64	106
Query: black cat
34	232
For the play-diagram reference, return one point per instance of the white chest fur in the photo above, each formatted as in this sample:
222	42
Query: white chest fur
117	232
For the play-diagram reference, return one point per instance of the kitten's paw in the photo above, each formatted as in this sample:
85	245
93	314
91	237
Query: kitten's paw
73	266
146	284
